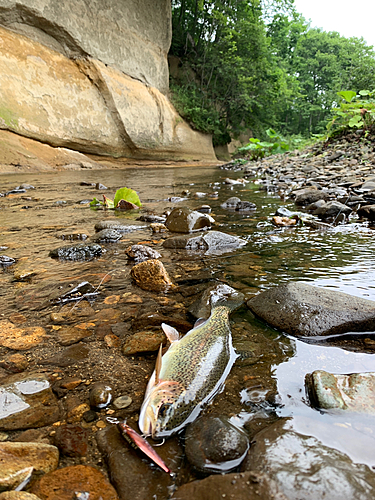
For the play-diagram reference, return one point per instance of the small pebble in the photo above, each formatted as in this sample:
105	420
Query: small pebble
122	402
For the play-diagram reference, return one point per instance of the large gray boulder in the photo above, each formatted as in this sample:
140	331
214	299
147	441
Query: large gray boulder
305	310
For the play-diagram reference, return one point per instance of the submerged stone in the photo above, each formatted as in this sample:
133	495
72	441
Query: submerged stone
81	251
355	392
305	310
151	275
121	227
107	236
213	444
140	253
211	242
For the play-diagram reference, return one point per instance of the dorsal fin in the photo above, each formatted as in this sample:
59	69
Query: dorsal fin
158	365
171	333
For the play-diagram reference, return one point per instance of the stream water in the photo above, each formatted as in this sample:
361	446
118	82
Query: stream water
269	382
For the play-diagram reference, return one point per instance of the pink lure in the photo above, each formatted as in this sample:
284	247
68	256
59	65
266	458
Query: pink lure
137	441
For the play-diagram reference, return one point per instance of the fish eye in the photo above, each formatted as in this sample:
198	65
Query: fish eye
163	409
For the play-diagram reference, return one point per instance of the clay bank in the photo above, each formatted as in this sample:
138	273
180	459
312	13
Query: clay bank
90	79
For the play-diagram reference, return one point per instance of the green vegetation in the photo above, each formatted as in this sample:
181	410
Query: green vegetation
124	193
257	65
354	111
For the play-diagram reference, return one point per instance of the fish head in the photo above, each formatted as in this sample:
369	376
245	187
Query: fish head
159	409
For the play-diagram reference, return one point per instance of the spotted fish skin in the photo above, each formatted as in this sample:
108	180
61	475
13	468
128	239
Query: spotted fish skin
193	370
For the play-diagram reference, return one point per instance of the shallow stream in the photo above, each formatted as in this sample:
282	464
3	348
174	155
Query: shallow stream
268	381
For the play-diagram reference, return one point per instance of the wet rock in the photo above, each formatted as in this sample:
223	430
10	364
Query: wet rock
355	392
140	253
201	308
204	209
368	186
304	310
212	444
27	401
143	342
18	495
71	335
17	318
67	314
72	440
14	363
122	402
18	459
134	475
81	251
157	227
20	339
304	468
332	209
121	227
90	416
107	236
101	395
238	486
284	221
74	236
6	261
126	205
211	242
152	218
99	185
70	356
367	211
151	275
183	220
231	203
245	206
63	484
154	318
309	196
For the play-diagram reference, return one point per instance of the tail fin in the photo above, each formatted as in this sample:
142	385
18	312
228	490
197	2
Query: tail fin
224	295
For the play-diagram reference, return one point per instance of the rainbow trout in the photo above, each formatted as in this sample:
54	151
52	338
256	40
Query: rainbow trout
192	371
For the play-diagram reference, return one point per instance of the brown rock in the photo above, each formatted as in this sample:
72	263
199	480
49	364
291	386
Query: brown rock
132	298
237	486
72	440
70	383
16	457
27	402
69	314
18	495
110	316
112	299
72	335
20	339
151	275
17	318
76	413
14	363
143	342
63	483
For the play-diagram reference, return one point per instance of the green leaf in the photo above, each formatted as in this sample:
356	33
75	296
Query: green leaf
356	121
95	202
127	194
364	92
348	95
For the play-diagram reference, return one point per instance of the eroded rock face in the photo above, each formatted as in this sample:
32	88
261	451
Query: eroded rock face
61	59
305	310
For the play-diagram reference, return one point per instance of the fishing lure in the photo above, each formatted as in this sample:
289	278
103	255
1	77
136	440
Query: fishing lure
138	442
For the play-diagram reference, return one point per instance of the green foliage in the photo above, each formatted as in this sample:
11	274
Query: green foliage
124	193
353	111
256	148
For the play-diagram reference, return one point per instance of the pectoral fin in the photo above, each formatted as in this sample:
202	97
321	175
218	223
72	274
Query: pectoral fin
171	333
158	365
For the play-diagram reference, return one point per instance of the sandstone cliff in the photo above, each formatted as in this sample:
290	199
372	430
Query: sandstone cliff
92	76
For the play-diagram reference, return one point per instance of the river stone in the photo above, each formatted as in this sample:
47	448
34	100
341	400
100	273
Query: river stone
71	335
184	220
72	440
238	486
131	471
101	395
304	468
14	363
355	392
332	209
20	339
367	211
107	236
151	275
308	196
62	484
18	495
305	310
140	253
6	261
81	251
27	401
15	457
212	242
121	227
201	308
212	444
143	342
